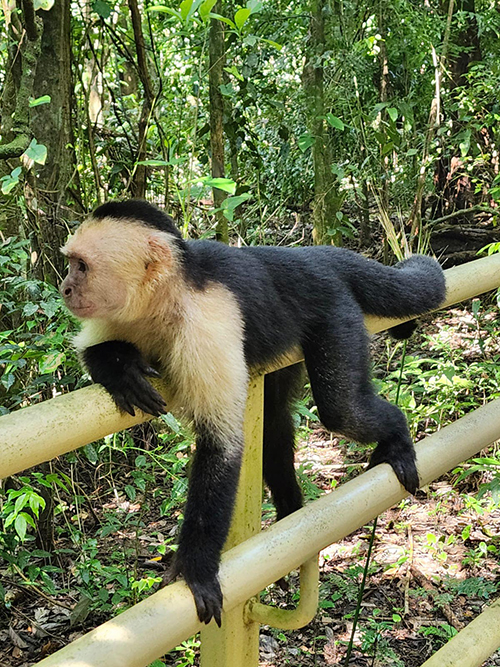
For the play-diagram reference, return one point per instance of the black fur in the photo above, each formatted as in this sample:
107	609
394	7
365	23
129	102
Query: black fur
122	371
280	390
311	297
140	210
213	483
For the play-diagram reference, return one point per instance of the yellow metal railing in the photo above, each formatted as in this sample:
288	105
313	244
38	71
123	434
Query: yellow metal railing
156	625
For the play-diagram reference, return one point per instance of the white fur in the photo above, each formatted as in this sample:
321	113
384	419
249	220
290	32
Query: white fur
194	336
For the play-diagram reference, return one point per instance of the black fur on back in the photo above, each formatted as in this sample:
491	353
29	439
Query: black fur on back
140	210
288	294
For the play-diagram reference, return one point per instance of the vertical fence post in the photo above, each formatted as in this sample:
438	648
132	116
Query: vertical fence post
236	644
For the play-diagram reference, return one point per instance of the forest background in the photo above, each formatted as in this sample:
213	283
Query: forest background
373	125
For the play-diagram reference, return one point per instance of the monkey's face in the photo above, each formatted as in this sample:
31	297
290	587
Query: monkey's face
114	269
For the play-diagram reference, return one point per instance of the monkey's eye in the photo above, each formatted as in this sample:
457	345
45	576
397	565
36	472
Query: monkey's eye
82	266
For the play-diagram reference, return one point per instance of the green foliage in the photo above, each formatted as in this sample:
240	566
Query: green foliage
35	359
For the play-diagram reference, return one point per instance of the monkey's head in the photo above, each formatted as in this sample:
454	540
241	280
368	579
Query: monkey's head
118	260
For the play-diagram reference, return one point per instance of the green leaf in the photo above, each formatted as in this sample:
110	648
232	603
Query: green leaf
185	8
102	8
411	151
46	5
465	143
50	308
20	525
334	121
270	41
36	152
206	8
188	7
231	203
51	361
171	421
225	184
393	114
30	309
305	141
165	10
131	492
10	181
154	163
223	19
226	89
8	184
91	453
45	99
254	6
234	71
241	17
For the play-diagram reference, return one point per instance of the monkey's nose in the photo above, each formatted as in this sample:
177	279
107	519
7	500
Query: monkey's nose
67	292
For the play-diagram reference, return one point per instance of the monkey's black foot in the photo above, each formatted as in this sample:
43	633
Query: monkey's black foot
402	461
205	589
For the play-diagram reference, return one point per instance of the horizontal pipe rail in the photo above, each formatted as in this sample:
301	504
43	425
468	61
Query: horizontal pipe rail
41	432
474	644
156	625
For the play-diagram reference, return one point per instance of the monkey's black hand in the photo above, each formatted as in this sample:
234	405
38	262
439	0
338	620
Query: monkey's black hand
204	586
122	371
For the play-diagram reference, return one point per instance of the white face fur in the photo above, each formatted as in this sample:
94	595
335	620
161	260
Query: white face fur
114	268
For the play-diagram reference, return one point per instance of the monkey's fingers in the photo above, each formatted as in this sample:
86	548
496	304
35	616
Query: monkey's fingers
208	600
144	396
149	371
123	403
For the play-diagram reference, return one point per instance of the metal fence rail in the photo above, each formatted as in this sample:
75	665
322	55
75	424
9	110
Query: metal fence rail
156	625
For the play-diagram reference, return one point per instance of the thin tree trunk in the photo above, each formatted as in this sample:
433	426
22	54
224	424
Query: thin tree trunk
138	182
217	59
326	196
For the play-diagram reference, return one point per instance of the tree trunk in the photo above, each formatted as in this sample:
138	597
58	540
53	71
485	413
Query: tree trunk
327	201
52	193
24	43
215	80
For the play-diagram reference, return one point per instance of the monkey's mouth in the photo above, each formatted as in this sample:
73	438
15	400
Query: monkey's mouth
80	310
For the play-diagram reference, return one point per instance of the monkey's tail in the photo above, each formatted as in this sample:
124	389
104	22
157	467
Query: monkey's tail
411	287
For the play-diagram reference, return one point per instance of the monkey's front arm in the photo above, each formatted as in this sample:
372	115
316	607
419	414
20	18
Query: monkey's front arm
213	484
121	369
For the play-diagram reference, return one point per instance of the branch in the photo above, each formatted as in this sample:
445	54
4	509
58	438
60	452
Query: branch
479	208
140	48
30	21
16	147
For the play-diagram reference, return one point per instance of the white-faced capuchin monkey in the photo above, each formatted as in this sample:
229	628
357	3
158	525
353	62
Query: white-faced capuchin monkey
203	315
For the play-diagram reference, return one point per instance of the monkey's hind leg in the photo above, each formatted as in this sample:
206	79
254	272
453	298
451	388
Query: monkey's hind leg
280	389
337	360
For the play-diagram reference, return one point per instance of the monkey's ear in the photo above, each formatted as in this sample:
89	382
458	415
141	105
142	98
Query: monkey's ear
159	254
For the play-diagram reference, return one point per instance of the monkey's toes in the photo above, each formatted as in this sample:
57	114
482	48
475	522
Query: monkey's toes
404	468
